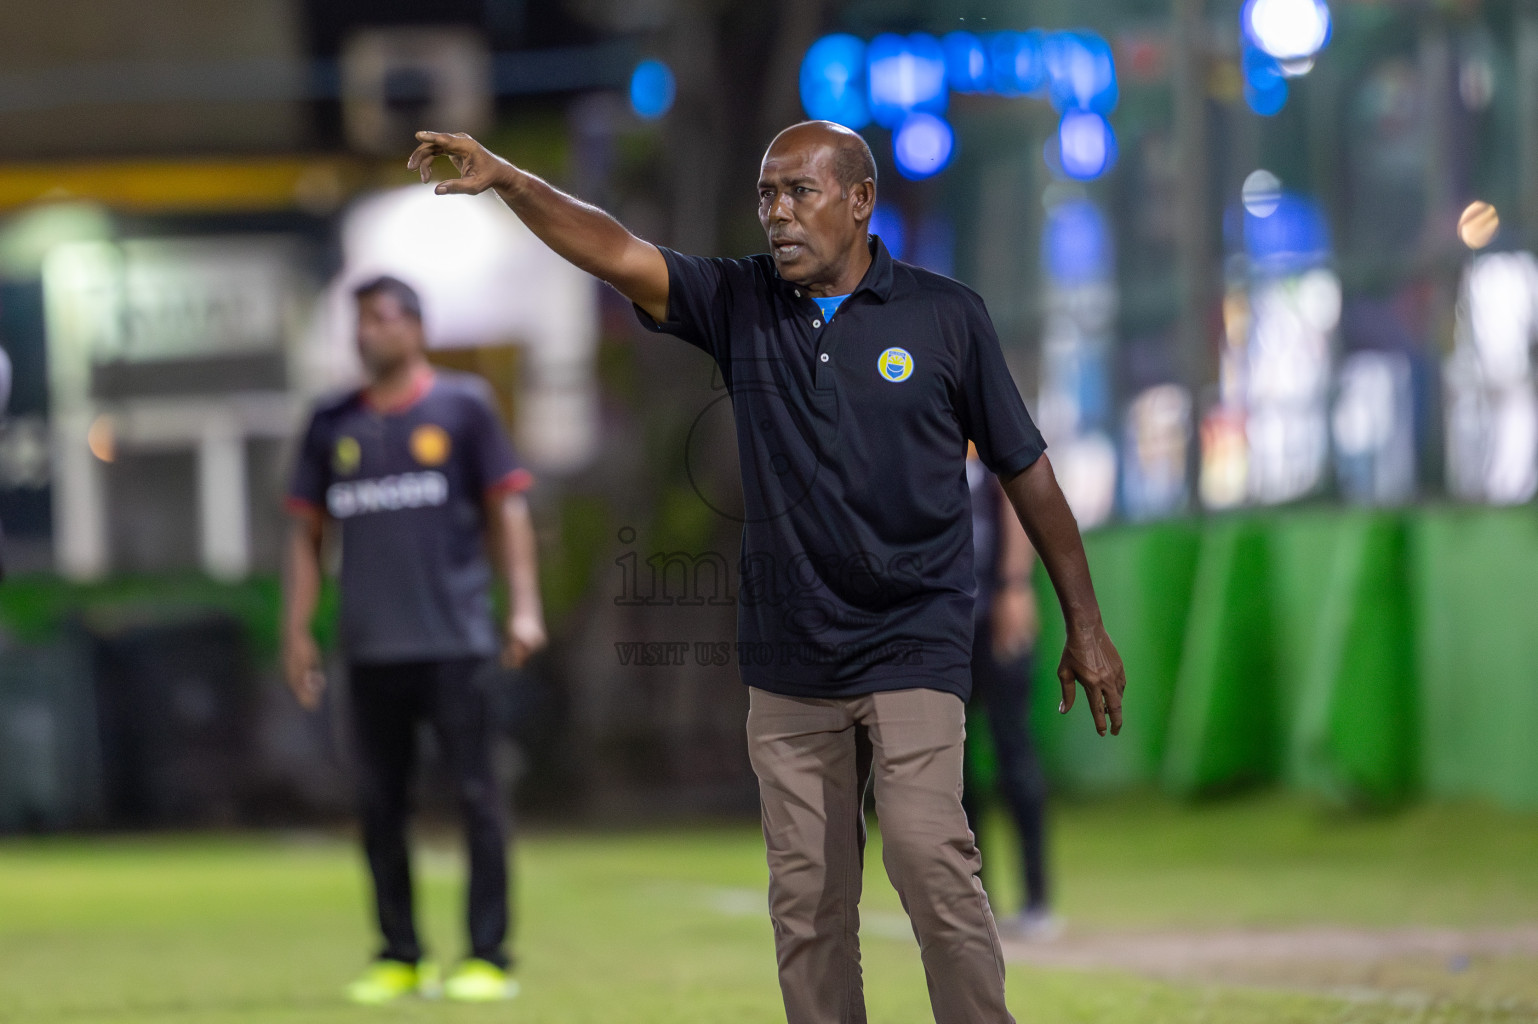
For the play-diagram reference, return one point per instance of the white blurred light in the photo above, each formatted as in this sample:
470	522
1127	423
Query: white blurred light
1288	30
922	145
905	74
1319	299
1086	145
1261	192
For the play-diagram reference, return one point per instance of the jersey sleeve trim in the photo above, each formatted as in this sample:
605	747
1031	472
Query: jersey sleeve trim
516	482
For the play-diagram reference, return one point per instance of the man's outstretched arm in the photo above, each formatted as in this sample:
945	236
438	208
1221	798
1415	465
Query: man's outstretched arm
581	234
1089	656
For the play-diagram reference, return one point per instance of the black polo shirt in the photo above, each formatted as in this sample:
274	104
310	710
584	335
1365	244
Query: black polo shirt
856	571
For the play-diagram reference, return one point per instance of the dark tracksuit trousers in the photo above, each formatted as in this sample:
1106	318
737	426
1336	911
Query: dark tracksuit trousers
388	703
1002	690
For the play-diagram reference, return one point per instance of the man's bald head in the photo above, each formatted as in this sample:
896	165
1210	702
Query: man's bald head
852	158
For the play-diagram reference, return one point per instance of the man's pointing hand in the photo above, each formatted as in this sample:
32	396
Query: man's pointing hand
478	167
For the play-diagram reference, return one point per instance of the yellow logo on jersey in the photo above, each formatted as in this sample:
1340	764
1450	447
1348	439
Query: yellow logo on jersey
895	365
347	456
430	444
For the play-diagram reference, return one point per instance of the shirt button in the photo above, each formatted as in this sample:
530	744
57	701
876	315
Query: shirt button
825	357
798	293
816	323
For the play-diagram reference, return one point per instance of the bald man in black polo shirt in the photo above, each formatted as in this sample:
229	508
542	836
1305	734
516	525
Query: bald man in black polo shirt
856	382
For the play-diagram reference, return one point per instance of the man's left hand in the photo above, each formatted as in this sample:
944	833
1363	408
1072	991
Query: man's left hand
522	636
1090	658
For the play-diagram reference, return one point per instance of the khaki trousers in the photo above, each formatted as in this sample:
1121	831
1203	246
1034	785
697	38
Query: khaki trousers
813	758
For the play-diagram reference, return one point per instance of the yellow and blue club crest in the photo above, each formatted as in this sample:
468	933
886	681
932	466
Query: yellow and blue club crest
895	365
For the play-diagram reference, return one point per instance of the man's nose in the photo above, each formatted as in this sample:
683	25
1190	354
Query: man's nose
779	209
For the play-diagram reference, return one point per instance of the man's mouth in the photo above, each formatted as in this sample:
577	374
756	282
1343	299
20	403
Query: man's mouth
785	249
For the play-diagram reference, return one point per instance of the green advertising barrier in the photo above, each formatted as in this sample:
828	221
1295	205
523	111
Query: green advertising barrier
1361	656
1475	575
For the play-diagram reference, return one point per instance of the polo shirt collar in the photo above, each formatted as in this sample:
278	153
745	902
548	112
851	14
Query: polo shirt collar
878	276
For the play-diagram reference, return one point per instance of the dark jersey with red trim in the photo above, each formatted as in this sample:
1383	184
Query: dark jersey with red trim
406	487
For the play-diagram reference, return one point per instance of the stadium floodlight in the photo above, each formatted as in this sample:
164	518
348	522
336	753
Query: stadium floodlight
1265	81
966	62
1086	145
1289	30
1080	72
1016	64
906	75
652	89
833	81
923	145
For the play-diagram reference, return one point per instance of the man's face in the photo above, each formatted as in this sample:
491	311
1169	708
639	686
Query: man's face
808	216
387	335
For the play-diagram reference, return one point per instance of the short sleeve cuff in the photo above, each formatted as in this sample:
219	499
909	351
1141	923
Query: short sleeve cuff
672	325
516	482
1019	460
302	508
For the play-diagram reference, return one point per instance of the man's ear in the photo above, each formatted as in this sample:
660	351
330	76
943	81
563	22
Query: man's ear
863	199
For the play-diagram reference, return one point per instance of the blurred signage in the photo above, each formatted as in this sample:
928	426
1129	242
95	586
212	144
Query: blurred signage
157	299
395	81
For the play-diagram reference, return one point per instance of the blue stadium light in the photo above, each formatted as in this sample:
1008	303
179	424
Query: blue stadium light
1080	72
1085	144
906	75
923	145
1076	243
966	62
652	89
1016	63
833	81
1289	30
1265	82
1293	237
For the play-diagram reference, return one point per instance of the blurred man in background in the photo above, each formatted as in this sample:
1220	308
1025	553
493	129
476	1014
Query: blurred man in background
415	473
856	382
1005	628
5	403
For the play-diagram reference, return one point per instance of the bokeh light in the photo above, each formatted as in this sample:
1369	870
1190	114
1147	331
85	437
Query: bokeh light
1086	145
923	145
1265	83
652	89
966	62
833	81
1478	225
1016	63
907	74
1080	72
1287	29
1260	193
1076	243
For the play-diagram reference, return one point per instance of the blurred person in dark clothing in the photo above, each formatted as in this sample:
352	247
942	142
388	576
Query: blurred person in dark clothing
856	381
5	403
415	474
1006	627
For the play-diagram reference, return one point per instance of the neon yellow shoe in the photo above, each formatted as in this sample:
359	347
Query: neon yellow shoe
385	981
479	981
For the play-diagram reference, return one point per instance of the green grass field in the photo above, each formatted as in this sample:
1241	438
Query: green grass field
668	926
